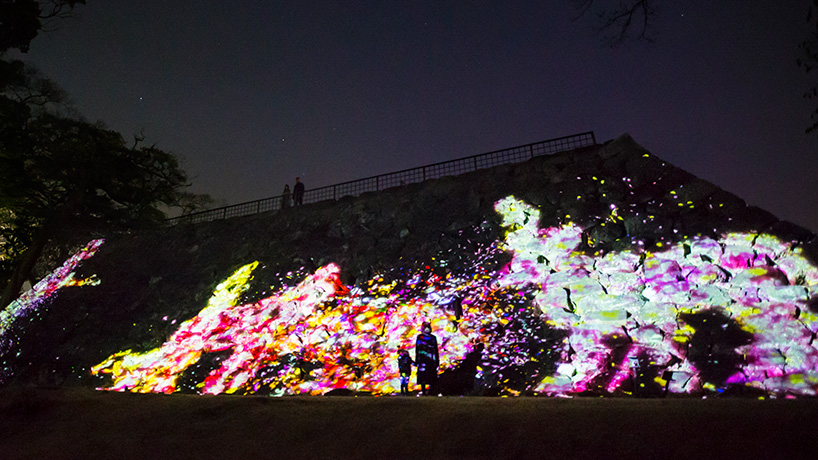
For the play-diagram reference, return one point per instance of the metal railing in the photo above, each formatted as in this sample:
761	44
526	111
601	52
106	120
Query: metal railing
399	178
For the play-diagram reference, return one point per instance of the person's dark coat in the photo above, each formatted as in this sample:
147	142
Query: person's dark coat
426	354
298	193
405	363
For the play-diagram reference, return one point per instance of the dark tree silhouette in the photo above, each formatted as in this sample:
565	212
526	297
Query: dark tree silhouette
69	180
808	60
21	20
64	180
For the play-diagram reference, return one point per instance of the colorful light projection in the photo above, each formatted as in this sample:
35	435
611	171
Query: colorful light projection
311	338
47	287
701	315
625	308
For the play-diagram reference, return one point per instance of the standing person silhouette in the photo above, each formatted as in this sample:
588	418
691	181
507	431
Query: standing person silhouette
405	363
285	196
426	356
298	192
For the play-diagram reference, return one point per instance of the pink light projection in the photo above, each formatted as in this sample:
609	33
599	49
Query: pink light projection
618	311
63	276
353	335
701	315
637	300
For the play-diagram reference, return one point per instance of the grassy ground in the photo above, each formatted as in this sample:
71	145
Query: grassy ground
80	423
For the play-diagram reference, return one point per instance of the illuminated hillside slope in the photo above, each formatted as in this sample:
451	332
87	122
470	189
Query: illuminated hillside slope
598	271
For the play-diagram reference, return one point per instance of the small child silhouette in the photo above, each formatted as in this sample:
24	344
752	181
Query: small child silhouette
405	364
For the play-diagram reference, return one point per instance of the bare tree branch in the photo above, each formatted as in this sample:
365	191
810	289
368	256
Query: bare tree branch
808	61
138	138
631	19
56	9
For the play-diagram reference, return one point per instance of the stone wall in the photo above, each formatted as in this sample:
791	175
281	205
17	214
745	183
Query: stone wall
447	232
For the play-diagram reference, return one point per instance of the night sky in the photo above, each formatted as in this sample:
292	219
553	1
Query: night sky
250	94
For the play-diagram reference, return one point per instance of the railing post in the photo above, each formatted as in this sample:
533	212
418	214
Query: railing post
377	183
475	163
424	173
531	149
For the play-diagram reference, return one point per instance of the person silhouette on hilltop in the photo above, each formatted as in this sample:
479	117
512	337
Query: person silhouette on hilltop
285	196
298	192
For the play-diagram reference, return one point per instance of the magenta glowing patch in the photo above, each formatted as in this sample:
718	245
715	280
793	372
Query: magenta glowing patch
701	315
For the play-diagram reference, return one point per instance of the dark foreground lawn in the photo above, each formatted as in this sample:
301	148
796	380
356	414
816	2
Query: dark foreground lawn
78	423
